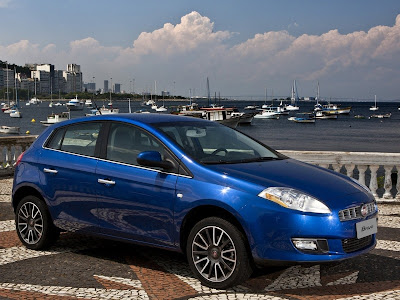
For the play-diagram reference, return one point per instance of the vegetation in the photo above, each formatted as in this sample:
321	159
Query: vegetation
19	69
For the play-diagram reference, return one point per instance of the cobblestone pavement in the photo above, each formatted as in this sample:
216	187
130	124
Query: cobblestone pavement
88	268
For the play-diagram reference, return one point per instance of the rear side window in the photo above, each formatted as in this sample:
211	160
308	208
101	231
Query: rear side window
78	139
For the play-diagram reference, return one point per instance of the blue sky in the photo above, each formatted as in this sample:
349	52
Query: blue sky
351	47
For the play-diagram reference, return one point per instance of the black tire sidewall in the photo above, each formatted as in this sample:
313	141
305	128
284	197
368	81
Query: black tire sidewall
243	267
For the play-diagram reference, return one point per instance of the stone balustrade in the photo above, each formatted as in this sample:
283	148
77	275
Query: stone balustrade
10	148
378	171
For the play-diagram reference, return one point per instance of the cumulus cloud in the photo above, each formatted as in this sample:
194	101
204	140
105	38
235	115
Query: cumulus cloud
193	32
4	3
194	50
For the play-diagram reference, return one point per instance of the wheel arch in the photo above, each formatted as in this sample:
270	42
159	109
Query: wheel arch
24	191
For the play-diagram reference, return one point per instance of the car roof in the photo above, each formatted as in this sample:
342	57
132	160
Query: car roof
146	118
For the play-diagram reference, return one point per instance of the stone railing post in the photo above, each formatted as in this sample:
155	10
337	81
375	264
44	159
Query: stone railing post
361	176
373	185
388	182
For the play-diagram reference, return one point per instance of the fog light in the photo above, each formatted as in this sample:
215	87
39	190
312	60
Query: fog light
309	245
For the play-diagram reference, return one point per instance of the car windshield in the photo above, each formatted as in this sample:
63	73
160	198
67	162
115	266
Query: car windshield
212	143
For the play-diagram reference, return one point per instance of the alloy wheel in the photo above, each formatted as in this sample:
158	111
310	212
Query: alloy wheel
214	254
30	223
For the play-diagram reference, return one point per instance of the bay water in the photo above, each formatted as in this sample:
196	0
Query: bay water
346	133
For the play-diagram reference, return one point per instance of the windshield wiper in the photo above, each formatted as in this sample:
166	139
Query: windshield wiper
257	159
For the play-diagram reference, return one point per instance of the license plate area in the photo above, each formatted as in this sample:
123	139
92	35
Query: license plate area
366	228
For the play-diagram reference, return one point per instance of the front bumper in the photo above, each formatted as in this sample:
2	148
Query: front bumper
272	231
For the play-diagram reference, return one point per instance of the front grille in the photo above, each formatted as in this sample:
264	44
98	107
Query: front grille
353	245
355	212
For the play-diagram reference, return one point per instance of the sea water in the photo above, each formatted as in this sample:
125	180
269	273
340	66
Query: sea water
346	133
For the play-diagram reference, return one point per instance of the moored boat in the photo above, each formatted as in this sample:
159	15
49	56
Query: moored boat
9	129
374	108
320	114
56	118
75	104
269	113
381	116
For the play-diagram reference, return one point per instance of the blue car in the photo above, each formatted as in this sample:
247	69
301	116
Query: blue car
225	200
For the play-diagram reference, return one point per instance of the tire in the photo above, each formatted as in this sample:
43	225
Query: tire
33	223
217	254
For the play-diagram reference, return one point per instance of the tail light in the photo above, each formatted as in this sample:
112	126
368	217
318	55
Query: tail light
19	159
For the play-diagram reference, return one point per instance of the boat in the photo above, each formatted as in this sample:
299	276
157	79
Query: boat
359	116
88	103
34	100
56	118
15	113
303	118
320	114
374	108
92	112
268	113
294	98
222	115
161	109
335	109
251	107
75	104
9	129
110	110
5	107
381	116
107	111
246	118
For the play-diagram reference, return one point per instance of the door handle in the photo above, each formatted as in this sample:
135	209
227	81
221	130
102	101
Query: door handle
51	171
106	181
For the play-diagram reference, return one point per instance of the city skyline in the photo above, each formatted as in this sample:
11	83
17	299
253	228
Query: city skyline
352	49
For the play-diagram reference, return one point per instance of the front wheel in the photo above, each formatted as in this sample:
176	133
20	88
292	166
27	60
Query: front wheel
217	253
33	224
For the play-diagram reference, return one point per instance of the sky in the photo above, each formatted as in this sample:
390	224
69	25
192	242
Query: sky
247	49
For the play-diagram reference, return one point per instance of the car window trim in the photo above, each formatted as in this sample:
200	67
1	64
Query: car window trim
64	128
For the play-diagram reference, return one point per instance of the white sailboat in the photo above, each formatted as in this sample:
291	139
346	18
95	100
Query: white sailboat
373	108
110	110
292	106
34	100
15	113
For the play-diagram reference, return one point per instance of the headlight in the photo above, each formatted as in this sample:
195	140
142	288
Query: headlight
293	199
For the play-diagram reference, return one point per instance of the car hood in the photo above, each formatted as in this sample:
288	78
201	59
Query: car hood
320	183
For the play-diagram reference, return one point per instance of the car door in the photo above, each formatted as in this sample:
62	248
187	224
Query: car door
67	168
134	202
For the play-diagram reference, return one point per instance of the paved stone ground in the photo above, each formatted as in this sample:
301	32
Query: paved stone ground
88	268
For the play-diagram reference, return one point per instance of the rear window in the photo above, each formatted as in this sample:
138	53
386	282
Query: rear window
79	138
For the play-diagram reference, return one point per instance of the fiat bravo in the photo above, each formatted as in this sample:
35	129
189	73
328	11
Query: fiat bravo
224	199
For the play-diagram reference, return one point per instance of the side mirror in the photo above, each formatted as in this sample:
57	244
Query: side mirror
153	159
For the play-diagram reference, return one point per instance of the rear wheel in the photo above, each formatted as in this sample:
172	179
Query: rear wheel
217	253
34	225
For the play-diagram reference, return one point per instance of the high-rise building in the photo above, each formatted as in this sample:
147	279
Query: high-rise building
105	86
73	77
117	88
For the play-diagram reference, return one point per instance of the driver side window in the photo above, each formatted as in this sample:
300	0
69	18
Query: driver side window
125	142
